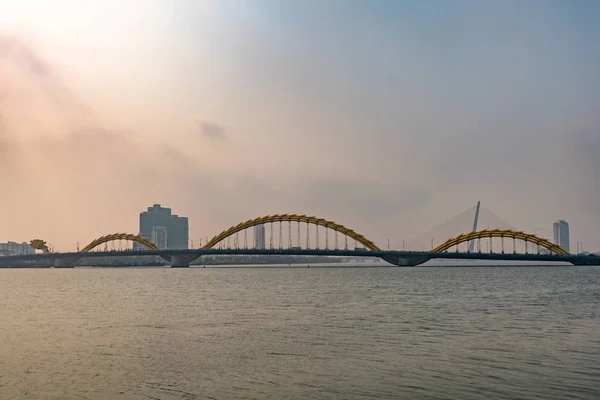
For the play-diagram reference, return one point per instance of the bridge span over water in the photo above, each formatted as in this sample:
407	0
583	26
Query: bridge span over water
312	236
183	258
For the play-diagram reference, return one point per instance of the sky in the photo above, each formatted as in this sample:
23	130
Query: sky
389	117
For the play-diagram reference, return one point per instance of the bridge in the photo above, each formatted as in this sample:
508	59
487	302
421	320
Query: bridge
311	236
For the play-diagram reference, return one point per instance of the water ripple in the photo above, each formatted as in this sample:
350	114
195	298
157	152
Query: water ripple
387	333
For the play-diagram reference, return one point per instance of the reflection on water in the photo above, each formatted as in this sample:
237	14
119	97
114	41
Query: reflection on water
351	333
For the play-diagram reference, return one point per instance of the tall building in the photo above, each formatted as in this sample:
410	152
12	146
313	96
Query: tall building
159	235
164	229
14	248
259	237
561	235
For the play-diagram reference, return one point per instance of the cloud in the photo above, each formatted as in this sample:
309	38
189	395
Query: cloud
368	199
212	130
391	136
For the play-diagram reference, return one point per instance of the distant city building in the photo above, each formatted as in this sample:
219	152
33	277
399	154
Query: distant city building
159	235
158	225
14	248
561	235
259	237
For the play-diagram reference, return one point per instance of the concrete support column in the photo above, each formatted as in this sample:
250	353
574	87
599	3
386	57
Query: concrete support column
180	261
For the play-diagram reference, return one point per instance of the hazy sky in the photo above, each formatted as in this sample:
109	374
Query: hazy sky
387	116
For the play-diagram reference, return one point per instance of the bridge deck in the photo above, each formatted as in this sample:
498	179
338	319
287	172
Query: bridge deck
574	259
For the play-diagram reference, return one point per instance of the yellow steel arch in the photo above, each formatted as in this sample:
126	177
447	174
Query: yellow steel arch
465	237
291	218
119	236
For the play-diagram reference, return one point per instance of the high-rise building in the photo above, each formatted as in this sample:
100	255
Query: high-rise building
158	225
561	235
14	248
259	237
159	235
178	232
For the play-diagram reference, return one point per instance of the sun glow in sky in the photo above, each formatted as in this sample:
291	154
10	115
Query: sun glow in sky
387	116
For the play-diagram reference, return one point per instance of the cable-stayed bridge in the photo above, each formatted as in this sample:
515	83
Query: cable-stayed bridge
303	235
461	223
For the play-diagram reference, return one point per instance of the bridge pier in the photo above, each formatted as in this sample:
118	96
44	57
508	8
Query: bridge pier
180	261
405	261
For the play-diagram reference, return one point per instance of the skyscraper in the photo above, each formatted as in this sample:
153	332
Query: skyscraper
158	225
561	235
159	235
259	237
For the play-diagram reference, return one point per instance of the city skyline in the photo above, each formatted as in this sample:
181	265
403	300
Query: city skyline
166	230
274	112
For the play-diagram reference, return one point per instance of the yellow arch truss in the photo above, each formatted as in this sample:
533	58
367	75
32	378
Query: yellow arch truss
495	233
291	218
119	236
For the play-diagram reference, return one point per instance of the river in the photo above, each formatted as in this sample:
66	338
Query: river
300	333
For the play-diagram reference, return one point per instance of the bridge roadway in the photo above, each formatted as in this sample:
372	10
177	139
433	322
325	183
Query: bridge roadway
182	258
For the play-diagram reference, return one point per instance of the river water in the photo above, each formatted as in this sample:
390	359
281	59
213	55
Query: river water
299	333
